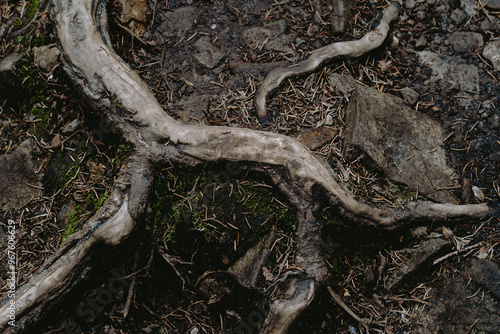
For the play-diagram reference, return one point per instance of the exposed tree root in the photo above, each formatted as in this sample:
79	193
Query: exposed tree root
119	92
284	311
370	41
111	224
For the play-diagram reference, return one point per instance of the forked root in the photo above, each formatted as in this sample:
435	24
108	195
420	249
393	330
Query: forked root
370	41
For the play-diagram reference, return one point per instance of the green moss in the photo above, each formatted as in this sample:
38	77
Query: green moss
122	152
30	79
41	117
32	8
34	92
73	221
399	194
91	204
30	12
100	201
335	221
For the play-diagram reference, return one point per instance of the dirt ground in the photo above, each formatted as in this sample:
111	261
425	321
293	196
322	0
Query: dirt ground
204	61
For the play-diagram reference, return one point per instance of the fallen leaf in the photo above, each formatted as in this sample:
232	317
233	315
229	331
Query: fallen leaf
56	141
384	65
447	232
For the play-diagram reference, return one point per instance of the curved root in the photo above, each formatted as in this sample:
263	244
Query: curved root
370	41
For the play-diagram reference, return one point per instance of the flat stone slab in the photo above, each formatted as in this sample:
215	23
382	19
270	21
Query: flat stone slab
449	74
403	143
179	21
192	109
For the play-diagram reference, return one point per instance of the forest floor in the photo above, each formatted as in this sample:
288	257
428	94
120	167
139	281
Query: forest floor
204	61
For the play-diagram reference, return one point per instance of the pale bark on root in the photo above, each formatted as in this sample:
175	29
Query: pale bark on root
285	311
125	100
110	225
370	41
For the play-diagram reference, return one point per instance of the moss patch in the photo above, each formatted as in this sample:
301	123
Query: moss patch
81	211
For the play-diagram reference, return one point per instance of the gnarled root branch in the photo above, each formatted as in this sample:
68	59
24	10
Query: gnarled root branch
109	226
370	41
108	81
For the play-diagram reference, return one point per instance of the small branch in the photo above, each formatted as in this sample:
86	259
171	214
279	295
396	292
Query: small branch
134	35
465	249
338	300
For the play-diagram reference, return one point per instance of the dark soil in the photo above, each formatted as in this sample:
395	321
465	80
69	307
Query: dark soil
205	67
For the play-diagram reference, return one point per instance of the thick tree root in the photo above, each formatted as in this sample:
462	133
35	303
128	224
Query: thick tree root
370	41
106	79
109	82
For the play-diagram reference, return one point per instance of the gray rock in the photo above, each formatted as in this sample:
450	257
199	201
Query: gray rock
7	70
455	306
468	77
427	251
270	37
410	4
421	42
468	7
71	127
179	21
345	84
192	109
409	95
206	53
403	143
441	9
458	16
244	269
466	42
491	23
492	53
134	10
486	273
448	74
64	214
421	15
492	4
46	57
